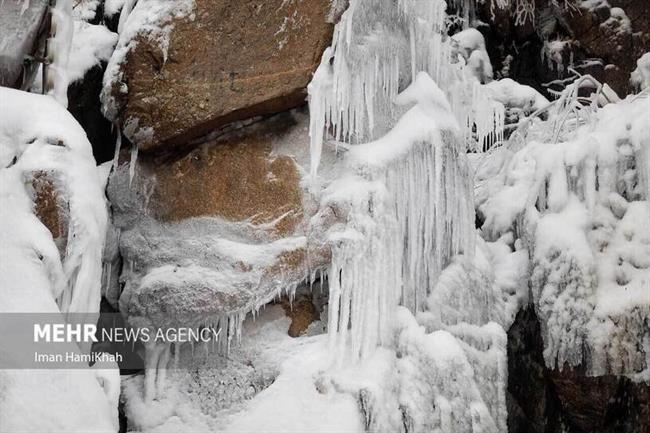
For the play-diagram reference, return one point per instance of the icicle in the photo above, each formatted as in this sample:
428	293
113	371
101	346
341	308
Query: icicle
133	162
118	147
59	51
124	14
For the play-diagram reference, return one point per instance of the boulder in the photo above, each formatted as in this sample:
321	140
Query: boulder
213	233
302	313
226	61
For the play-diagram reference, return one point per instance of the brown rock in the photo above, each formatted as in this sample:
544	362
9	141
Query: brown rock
302	313
233	61
254	243
235	177
51	207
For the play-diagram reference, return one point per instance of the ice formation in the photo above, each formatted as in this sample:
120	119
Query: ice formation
640	77
58	51
50	140
377	47
413	210
407	232
39	137
577	194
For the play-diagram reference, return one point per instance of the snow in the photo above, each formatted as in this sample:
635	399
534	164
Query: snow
58	51
640	77
38	135
91	45
152	19
378	48
85	10
576	194
512	94
269	383
49	139
470	44
111	7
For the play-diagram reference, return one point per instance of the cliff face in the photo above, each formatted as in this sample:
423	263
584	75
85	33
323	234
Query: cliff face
213	215
549	400
601	38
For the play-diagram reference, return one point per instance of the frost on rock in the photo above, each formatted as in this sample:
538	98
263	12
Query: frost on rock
37	135
577	194
211	266
151	19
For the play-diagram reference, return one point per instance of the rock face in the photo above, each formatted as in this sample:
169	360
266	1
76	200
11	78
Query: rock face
51	207
543	400
592	37
85	106
21	25
238	180
226	62
209	235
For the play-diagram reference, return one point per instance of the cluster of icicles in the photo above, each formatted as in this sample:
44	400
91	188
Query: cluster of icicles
426	214
378	46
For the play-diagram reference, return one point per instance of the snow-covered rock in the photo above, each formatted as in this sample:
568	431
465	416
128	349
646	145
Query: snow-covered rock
579	204
37	135
214	62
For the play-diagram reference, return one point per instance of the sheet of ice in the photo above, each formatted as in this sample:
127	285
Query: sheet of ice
19	25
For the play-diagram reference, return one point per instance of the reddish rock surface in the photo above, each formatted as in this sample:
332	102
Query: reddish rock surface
235	177
51	207
234	60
